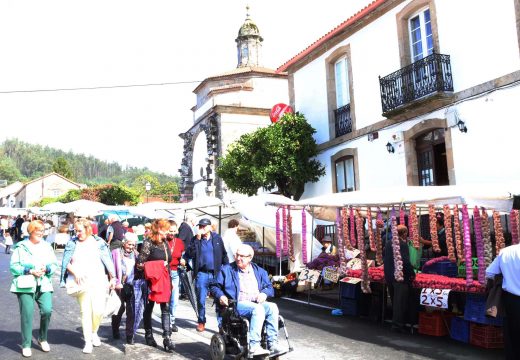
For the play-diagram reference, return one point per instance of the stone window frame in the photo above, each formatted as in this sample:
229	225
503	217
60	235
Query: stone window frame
409	136
403	32
330	61
353	153
517	16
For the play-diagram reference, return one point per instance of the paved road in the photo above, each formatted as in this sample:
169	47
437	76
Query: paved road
315	334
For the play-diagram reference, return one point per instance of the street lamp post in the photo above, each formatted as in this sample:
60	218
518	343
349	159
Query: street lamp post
148	187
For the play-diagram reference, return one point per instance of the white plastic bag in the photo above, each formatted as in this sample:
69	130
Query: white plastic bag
112	304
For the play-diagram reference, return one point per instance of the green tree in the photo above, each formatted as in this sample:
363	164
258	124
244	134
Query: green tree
169	191
278	156
62	167
118	195
69	196
9	171
139	184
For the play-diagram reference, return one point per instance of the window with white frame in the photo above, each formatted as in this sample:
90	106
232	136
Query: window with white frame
420	32
342	82
345	174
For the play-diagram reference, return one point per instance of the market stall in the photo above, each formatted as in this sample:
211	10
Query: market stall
480	221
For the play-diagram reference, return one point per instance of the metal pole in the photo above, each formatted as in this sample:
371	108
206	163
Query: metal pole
220	219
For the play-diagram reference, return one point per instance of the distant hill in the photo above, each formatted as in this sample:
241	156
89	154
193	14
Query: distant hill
23	161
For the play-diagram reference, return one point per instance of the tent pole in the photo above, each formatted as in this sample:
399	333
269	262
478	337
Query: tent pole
220	219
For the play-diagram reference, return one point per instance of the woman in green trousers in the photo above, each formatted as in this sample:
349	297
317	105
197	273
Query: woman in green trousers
32	264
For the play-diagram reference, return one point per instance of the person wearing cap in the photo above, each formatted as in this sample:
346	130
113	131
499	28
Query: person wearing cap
328	246
208	254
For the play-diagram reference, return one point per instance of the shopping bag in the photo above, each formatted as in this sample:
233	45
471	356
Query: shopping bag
25	281
112	304
73	288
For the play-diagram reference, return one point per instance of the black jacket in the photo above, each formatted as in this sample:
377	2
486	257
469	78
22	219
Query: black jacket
185	234
408	272
219	253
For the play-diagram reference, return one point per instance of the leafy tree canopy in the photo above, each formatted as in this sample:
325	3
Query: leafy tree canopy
62	167
278	156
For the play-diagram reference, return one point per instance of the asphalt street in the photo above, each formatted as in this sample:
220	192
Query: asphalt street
314	333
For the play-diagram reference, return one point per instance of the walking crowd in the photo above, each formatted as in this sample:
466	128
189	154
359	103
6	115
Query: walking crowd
100	262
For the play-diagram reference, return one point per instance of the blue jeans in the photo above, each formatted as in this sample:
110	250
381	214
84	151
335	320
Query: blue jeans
202	286
141	300
174	300
257	314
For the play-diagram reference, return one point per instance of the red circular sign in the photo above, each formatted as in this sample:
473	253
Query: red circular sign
278	110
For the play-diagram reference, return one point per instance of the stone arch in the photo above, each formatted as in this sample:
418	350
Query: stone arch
409	136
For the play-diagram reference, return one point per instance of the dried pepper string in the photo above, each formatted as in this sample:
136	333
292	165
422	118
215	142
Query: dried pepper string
499	233
371	238
433	229
346	232
449	232
467	245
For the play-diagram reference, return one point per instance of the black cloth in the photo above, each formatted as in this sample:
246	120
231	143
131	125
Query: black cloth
219	253
408	272
441	235
185	234
151	251
511	325
119	231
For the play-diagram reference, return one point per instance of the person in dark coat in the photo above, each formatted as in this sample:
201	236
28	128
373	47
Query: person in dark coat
401	293
207	253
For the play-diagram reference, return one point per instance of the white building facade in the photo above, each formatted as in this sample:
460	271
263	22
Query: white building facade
392	90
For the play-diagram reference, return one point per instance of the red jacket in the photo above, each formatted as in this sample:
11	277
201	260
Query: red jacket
159	278
176	248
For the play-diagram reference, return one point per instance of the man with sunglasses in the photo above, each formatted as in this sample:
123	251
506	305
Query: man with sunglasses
208	254
249	285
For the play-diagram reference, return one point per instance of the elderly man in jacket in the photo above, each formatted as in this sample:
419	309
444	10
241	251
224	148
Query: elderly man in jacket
249	284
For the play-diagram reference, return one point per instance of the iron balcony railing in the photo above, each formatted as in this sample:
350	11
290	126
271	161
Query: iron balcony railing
424	77
343	120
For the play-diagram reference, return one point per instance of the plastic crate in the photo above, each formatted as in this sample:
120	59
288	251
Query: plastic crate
475	311
446	268
350	291
486	336
349	306
459	329
433	323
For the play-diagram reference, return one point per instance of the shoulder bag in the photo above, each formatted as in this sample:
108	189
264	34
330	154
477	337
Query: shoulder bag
72	287
26	281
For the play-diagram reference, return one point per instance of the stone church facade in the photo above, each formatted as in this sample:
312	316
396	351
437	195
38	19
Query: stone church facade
228	105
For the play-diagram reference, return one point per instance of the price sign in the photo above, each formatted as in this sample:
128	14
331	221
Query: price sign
434	297
309	275
331	274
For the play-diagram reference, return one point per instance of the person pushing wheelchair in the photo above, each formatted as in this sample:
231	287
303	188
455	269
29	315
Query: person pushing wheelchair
249	285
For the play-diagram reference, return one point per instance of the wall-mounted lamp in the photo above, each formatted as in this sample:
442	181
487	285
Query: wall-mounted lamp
462	126
390	148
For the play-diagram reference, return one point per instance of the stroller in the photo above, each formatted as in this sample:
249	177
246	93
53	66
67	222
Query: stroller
234	339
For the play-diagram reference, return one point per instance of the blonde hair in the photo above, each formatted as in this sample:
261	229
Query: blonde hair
86	224
35	225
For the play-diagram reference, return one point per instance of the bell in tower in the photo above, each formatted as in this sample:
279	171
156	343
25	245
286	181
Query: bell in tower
249	43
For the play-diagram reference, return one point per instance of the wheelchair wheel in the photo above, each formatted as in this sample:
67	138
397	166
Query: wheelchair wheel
217	347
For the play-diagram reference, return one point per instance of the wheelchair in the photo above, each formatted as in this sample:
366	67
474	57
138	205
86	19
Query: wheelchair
234	338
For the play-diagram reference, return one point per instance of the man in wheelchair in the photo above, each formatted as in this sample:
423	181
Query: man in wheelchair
248	284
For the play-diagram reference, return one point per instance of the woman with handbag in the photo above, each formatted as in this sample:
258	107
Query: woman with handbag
124	263
154	259
86	262
32	264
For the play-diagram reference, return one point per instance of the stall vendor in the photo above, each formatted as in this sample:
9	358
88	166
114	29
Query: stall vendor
328	246
441	235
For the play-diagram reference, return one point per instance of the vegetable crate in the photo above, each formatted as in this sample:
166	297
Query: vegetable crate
349	306
459	329
462	269
486	336
350	291
475	311
434	323
446	268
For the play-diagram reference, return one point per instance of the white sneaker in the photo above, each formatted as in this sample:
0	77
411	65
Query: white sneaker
88	348
96	341
45	346
26	352
257	350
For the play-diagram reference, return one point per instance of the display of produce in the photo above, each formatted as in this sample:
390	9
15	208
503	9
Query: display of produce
515	222
322	261
414	228
341	241
479	242
486	236
365	285
371	238
433	229
352	230
499	233
458	236
379	242
398	261
346	231
467	244
449	232
304	237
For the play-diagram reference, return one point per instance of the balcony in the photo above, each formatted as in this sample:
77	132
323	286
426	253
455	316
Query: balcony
343	120
420	80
